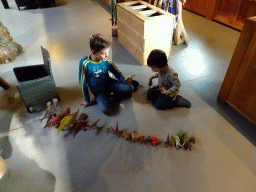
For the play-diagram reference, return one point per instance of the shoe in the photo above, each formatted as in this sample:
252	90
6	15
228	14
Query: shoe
135	84
93	102
182	102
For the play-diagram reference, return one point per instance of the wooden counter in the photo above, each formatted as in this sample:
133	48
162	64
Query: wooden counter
239	86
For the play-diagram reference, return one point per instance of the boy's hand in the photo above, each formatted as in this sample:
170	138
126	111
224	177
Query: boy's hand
163	90
152	77
128	79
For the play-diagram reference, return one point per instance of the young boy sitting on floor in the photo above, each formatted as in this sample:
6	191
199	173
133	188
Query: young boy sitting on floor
165	95
93	74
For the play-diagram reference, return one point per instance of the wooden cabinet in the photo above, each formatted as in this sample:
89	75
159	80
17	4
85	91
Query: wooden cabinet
239	86
230	12
205	8
234	12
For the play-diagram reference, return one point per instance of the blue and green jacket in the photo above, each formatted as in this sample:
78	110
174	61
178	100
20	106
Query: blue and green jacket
95	76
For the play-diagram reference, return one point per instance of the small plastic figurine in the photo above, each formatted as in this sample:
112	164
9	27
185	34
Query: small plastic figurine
94	125
153	140
147	139
178	143
134	136
159	142
140	138
187	145
167	142
56	120
116	131
109	129
67	121
50	111
127	136
192	140
79	124
172	141
182	136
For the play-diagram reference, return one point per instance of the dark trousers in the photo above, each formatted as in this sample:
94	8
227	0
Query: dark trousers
107	101
160	101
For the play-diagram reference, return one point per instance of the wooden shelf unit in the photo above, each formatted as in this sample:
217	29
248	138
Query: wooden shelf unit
239	86
229	12
143	27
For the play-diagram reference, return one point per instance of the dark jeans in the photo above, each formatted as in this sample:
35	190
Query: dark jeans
160	101
107	101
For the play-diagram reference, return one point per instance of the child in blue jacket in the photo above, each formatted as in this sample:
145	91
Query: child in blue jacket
94	74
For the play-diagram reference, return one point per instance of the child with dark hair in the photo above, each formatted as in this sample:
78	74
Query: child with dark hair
165	94
94	74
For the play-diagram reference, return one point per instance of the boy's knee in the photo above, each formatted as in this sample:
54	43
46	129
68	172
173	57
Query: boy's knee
159	106
107	111
153	94
130	89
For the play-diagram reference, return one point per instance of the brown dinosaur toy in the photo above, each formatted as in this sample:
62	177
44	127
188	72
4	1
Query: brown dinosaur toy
94	125
79	124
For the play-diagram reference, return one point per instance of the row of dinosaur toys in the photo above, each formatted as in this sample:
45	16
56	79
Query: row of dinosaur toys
68	120
179	141
65	119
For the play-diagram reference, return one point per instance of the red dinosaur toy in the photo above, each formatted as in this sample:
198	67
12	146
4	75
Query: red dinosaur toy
56	120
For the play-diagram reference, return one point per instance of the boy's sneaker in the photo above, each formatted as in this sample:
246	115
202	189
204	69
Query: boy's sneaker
135	84
93	101
182	102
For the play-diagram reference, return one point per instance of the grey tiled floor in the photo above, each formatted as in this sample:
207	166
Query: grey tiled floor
223	158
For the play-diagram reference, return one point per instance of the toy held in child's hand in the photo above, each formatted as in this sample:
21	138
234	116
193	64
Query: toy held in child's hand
150	83
129	79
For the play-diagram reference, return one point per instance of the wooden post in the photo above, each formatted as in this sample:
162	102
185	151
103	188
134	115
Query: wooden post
4	84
